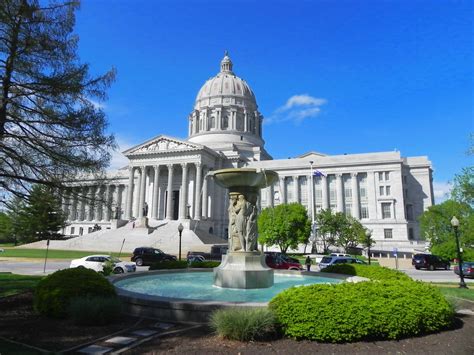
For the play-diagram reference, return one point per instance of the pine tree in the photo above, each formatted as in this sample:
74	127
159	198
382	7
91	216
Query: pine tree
50	128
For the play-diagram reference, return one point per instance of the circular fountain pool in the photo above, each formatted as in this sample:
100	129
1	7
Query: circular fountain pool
190	296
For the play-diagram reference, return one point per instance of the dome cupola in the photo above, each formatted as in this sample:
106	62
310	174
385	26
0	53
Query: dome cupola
226	111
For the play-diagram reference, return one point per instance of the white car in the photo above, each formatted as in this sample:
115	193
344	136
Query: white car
96	263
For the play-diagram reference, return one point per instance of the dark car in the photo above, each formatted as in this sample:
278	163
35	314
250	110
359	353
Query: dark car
282	261
146	256
430	262
467	269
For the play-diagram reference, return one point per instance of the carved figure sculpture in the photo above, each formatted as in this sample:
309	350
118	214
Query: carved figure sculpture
234	242
241	220
251	226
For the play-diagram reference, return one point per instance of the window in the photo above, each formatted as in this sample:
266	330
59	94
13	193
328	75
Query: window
387	176
363	192
410	234
386	210
81	230
381	176
381	190
387	190
72	231
348	209
387	234
384	175
348	192
404	179
364	211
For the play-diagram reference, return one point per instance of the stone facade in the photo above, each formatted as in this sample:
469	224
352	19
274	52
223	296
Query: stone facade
167	178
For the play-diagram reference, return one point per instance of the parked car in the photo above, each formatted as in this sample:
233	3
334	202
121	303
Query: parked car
194	258
216	253
282	261
97	262
145	256
430	262
467	269
335	260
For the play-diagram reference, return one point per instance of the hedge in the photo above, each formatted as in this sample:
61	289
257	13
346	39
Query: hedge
172	264
350	312
55	292
372	272
205	264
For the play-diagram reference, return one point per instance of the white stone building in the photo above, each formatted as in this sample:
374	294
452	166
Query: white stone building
386	191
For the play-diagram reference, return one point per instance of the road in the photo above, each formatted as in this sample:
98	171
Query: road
35	267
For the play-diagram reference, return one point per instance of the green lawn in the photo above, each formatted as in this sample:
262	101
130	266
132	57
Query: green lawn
455	291
52	254
11	284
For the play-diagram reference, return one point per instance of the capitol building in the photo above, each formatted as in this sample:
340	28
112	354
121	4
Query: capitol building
166	182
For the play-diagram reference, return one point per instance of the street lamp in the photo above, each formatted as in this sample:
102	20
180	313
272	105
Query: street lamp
180	230
455	224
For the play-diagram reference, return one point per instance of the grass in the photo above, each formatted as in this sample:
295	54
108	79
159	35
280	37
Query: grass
11	284
52	253
8	347
456	292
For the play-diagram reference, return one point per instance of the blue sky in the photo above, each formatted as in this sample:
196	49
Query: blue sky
329	76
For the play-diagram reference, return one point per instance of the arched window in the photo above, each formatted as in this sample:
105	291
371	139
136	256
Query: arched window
212	122
225	121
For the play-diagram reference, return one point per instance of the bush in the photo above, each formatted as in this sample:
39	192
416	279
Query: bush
94	310
244	324
205	264
54	293
372	272
174	264
350	312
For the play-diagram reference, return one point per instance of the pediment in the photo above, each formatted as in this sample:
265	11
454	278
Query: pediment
162	144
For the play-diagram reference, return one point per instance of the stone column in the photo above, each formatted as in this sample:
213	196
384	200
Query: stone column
90	204
98	202
183	197
310	198
197	197
204	196
355	196
169	212
141	203
156	180
106	205
270	196
73	211
118	206
324	192
296	188
82	204
339	193
129	201
283	189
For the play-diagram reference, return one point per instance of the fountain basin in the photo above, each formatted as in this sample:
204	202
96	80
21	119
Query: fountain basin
189	296
244	177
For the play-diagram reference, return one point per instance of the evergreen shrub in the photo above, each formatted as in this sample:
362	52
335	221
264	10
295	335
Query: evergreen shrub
54	293
372	272
95	310
244	324
370	310
172	264
205	264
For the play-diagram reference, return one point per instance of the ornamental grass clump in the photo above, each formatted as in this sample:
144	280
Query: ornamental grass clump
373	310
55	292
372	272
244	324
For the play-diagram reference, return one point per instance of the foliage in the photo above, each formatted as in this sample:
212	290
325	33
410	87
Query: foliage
6	228
11	284
94	310
205	264
54	293
285	225
50	128
171	264
108	267
372	272
435	226
244	324
463	186
339	229
349	312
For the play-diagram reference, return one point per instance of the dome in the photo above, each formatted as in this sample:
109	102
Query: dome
225	110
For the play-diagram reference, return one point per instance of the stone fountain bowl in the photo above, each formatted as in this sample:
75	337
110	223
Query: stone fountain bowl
245	177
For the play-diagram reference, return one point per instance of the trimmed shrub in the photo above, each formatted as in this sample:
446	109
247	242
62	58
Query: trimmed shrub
350	312
54	293
244	324
372	272
205	264
174	264
94	310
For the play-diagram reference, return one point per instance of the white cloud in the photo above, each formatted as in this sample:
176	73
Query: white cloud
441	191
297	108
97	105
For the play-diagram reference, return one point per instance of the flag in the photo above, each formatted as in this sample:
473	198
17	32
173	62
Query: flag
318	173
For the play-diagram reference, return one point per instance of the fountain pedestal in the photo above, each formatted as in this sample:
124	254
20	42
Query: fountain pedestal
243	269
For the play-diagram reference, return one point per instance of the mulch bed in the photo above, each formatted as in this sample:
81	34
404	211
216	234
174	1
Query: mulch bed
19	322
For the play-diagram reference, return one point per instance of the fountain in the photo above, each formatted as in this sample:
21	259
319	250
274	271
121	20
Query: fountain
244	266
242	280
